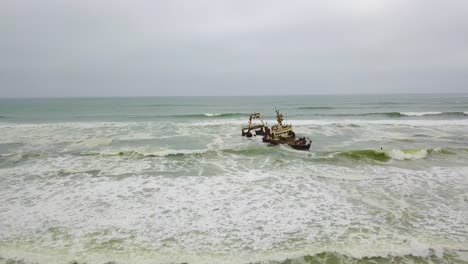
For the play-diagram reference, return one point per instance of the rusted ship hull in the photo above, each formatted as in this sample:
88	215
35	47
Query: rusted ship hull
300	144
300	147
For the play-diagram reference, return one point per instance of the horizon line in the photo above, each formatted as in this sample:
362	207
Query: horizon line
240	95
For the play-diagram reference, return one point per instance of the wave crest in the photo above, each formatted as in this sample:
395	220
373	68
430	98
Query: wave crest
398	114
419	114
418	255
394	154
145	153
363	155
211	115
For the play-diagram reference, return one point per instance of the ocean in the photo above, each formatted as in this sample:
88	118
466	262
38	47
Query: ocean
171	180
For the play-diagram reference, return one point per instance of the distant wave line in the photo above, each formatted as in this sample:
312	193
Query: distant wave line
399	114
142	116
316	108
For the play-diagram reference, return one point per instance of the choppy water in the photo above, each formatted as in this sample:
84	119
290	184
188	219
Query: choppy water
170	180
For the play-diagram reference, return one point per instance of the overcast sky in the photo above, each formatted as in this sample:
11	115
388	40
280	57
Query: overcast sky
218	47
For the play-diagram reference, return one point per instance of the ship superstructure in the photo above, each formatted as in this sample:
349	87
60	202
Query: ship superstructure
255	129
281	131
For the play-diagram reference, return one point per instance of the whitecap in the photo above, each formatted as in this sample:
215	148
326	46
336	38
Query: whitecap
211	114
420	113
398	154
349	122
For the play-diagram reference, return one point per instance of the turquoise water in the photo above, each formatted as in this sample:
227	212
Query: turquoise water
170	180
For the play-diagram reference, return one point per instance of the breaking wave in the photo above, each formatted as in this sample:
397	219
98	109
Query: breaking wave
16	157
355	155
359	155
225	114
418	114
180	153
211	115
426	113
425	255
430	256
401	114
387	155
152	116
145	153
448	114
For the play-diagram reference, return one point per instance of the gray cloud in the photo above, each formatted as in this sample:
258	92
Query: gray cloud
122	48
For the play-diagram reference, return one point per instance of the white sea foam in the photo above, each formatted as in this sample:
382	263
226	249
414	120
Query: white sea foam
212	114
398	154
302	207
16	157
420	113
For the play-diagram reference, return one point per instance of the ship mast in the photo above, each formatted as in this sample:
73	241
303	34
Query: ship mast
279	118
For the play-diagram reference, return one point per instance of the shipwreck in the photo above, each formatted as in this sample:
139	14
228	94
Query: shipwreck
278	134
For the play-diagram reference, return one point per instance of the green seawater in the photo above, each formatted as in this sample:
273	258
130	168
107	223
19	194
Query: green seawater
171	180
